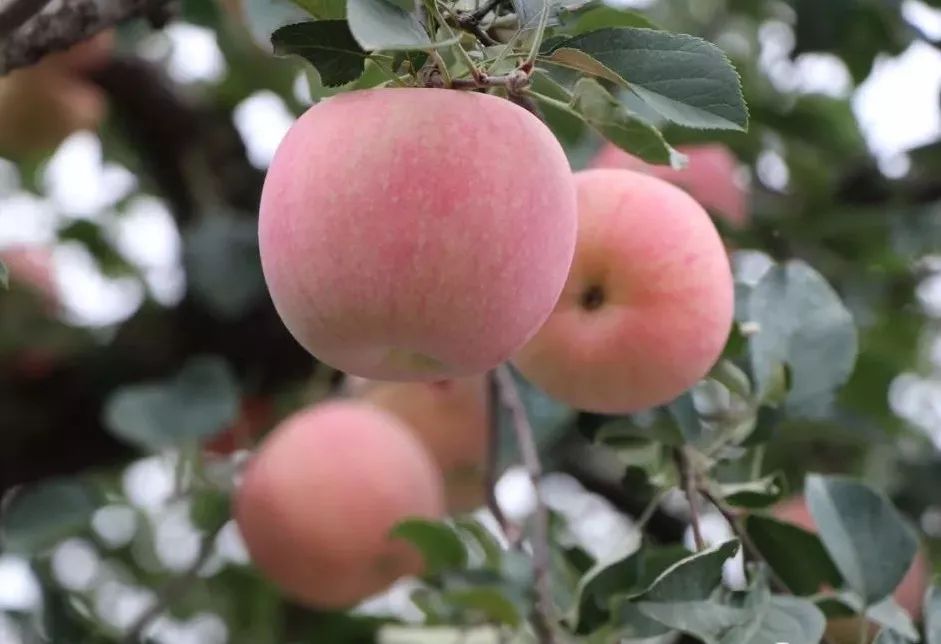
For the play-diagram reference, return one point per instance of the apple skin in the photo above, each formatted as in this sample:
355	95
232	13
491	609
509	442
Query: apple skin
317	501
416	234
909	594
450	417
648	305
710	177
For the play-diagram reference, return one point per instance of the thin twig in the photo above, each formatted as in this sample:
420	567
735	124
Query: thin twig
735	522
14	13
543	610
537	38
738	528
688	484
515	81
174	589
481	12
493	457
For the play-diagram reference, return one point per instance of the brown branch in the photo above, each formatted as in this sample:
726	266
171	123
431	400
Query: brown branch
14	13
688	484
493	461
543	611
71	23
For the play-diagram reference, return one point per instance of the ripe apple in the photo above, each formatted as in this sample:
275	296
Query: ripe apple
648	304
318	499
450	418
711	176
416	234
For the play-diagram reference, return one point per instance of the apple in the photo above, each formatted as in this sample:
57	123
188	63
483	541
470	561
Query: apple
710	177
450	417
316	503
648	305
416	234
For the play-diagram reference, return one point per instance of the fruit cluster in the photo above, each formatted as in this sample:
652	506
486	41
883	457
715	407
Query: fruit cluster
417	238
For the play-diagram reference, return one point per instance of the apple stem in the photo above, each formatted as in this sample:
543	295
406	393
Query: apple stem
543	608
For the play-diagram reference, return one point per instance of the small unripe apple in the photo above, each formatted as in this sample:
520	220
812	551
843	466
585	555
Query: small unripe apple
319	498
648	305
711	177
416	234
450	418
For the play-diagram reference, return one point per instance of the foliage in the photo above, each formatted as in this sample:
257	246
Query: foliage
827	318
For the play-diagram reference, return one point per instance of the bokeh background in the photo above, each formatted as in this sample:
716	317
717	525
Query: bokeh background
137	222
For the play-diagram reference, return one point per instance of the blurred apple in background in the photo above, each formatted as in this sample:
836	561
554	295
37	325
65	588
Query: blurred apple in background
42	105
711	177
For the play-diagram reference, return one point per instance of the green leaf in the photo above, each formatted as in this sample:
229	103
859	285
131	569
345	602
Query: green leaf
200	401
323	9
594	105
327	44
605	16
223	265
890	615
801	323
549	418
796	555
888	636
38	516
448	635
865	535
703	619
684	414
380	24
488	602
780	619
759	493
685	79
693	578
440	546
263	17
4	275
886	613
482	539
625	576
209	509
932	612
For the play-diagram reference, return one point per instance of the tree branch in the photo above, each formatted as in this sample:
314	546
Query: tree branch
50	31
688	484
14	13
544	609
